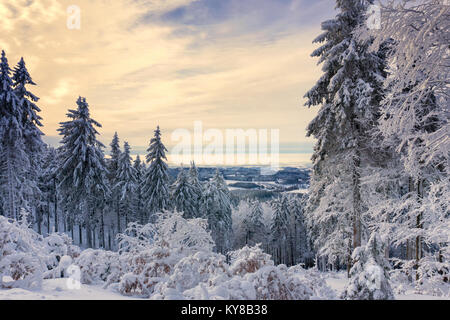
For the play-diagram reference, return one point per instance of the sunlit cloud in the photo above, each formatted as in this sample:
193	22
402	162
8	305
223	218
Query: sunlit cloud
228	63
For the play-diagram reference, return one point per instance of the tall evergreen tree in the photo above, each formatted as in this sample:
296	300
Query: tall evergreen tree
32	135
113	168
82	165
253	225
184	198
139	168
279	229
127	183
197	188
48	187
14	160
31	119
156	180
349	93
298	237
216	208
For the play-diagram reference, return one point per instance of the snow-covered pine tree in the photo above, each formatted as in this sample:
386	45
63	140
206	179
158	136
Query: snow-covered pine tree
32	135
197	188
220	182
298	239
216	208
14	160
126	184
279	229
253	227
155	186
113	178
349	93
82	171
369	277
183	196
48	188
139	211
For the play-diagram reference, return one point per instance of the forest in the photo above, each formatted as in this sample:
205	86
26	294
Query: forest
376	208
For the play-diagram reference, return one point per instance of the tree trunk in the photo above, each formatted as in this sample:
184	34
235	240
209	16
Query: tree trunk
419	226
80	230
48	218
39	222
56	206
118	217
93	237
356	207
11	200
102	230
109	239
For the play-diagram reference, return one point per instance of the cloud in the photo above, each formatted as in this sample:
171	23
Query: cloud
228	63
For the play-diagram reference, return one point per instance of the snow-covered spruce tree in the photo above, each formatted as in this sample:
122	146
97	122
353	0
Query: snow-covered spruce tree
196	187
298	239
369	277
82	171
279	229
113	178
216	208
138	207
126	184
348	92
156	180
31	121
14	160
239	214
253	227
48	188
183	196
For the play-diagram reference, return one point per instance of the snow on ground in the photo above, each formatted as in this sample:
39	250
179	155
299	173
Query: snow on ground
338	280
57	289
304	191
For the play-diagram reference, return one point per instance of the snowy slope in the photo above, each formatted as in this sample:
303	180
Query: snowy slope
57	289
338	281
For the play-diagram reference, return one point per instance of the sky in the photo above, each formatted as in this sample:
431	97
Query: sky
230	64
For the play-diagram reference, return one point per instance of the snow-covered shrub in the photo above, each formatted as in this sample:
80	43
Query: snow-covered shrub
275	283
315	281
136	237
187	233
235	288
248	260
58	245
202	267
147	268
59	271
429	276
369	277
267	283
97	265
434	277
149	253
22	257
